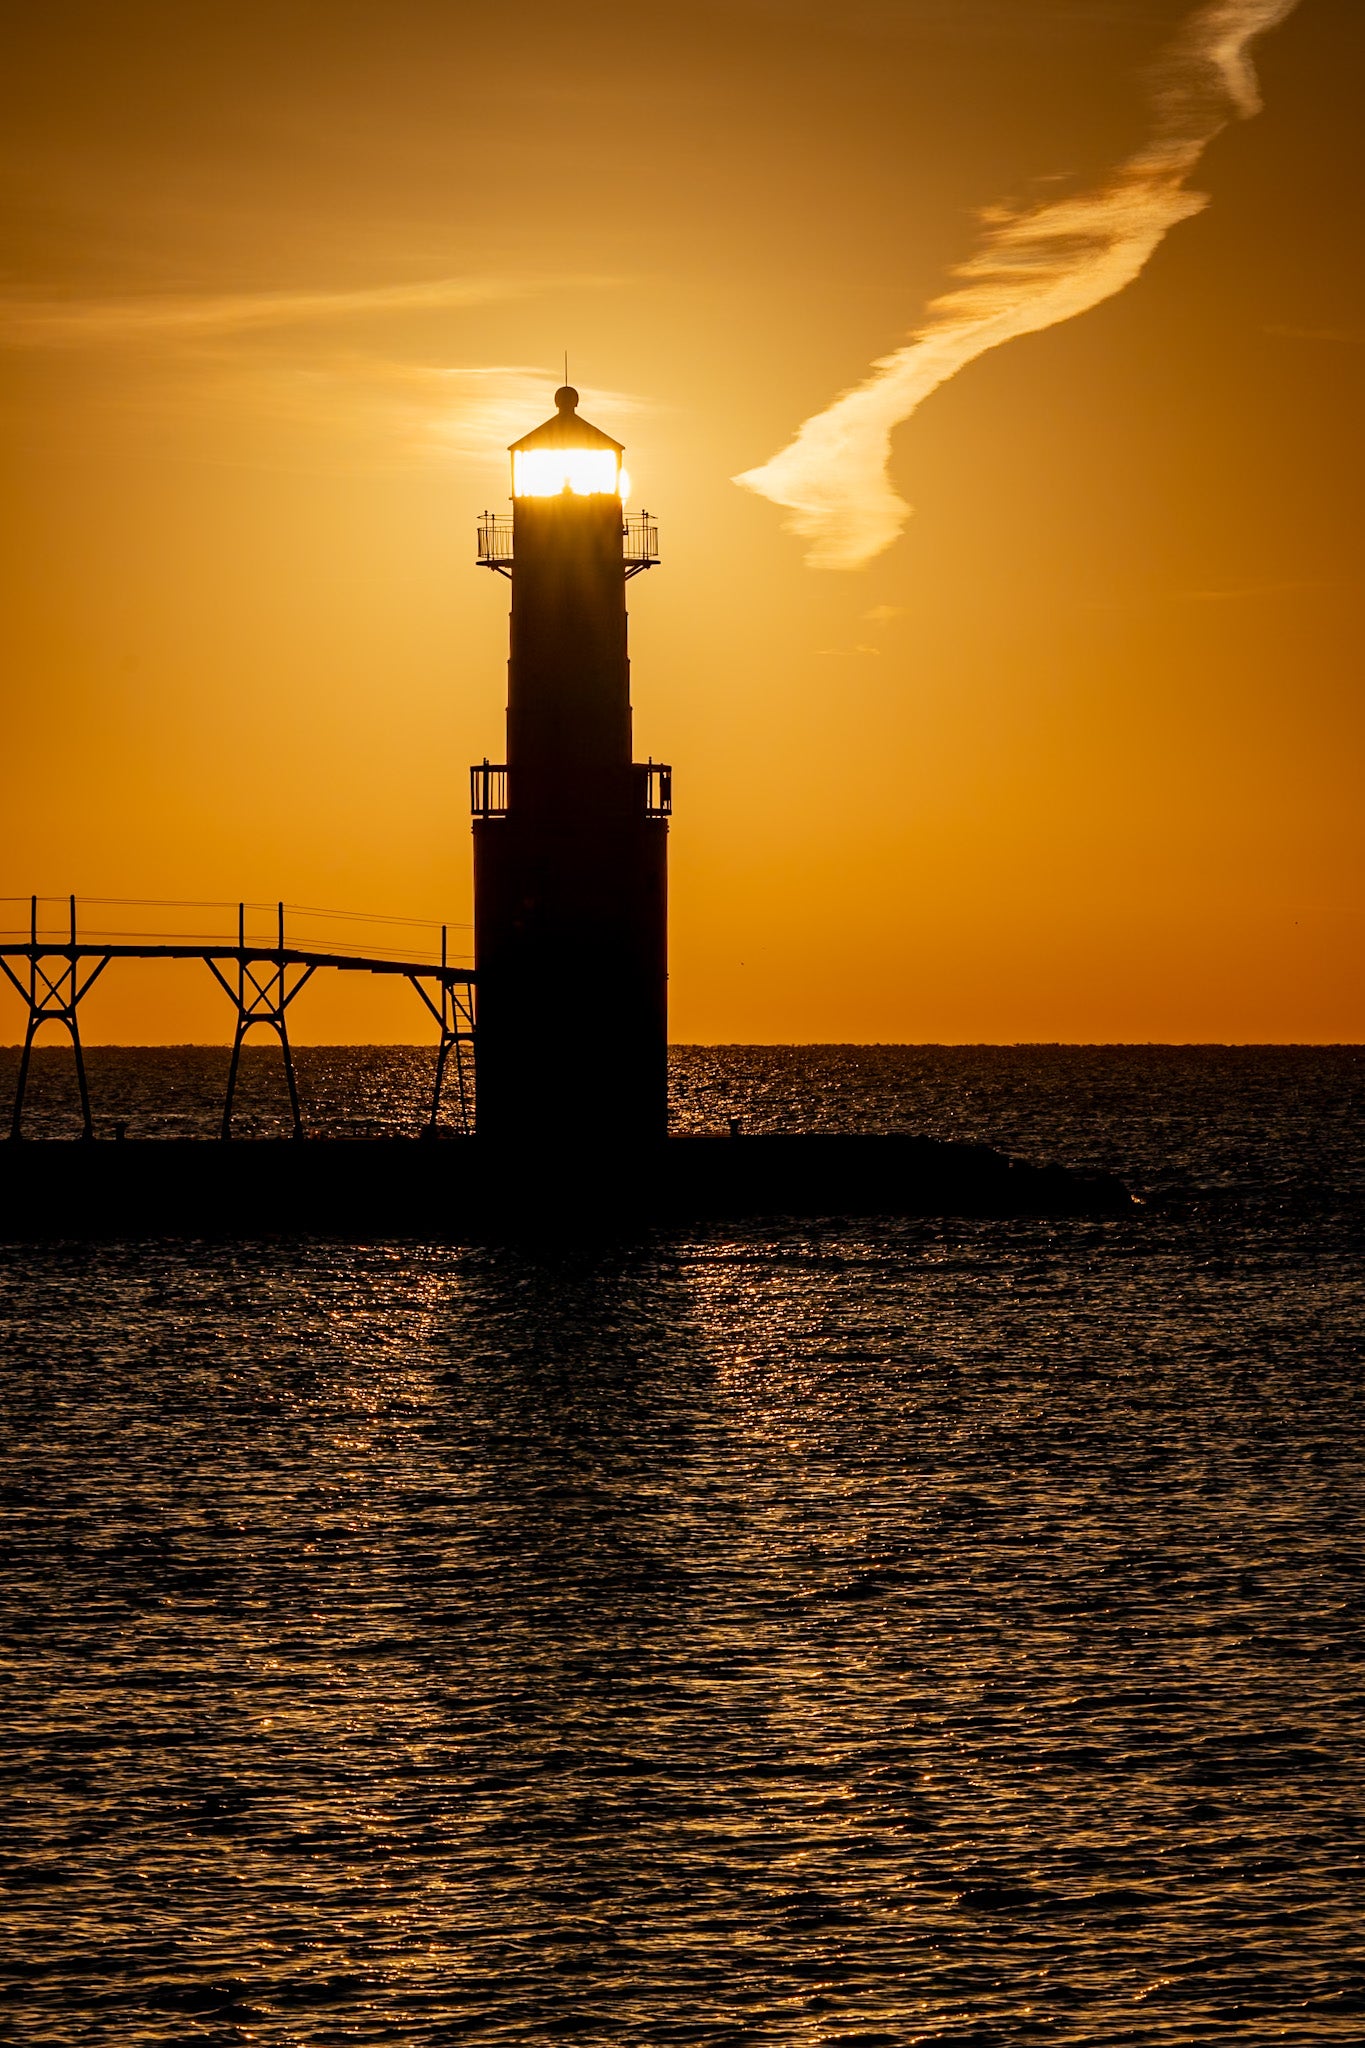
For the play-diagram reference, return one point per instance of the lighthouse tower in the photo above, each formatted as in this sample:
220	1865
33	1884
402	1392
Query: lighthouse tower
570	832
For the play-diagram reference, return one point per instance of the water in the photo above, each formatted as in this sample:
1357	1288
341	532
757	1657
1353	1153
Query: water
859	1632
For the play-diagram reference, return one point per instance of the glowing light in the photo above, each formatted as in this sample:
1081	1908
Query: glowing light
584	472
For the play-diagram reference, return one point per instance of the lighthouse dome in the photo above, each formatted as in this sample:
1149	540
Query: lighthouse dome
566	454
566	429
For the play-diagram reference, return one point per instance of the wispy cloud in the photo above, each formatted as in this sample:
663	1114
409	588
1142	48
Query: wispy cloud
1332	334
1236	593
310	363
480	411
84	323
1033	269
350	411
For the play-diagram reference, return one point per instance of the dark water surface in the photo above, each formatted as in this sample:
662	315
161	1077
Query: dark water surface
862	1632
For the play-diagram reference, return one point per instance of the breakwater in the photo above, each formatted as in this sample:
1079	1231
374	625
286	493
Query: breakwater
460	1186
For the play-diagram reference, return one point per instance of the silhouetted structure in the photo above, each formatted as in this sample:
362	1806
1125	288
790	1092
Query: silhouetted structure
571	976
54	975
182	1186
570	833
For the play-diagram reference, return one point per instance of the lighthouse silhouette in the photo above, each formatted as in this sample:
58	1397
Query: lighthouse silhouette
570	831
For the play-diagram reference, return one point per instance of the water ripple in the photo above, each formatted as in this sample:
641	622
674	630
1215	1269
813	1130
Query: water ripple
857	1633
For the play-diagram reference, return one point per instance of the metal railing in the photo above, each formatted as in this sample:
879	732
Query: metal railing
49	923
488	789
657	778
495	542
639	543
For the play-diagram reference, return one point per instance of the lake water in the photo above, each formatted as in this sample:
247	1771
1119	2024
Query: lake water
854	1632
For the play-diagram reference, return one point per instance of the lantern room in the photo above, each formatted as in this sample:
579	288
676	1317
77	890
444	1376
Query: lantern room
568	457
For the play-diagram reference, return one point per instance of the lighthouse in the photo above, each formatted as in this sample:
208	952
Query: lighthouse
570	831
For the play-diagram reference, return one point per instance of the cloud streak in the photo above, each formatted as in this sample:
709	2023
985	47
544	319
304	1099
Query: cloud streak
480	411
1034	268
373	402
100	322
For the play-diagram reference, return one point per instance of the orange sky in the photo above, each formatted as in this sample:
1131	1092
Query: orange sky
1075	757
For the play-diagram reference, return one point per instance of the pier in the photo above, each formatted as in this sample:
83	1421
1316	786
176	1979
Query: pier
53	973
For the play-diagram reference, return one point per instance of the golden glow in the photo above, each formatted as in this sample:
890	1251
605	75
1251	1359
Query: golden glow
548	472
1076	758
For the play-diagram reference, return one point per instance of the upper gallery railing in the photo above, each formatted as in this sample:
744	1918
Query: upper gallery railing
495	542
639	543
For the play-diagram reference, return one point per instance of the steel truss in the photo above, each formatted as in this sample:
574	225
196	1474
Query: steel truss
455	1016
262	995
53	994
52	979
